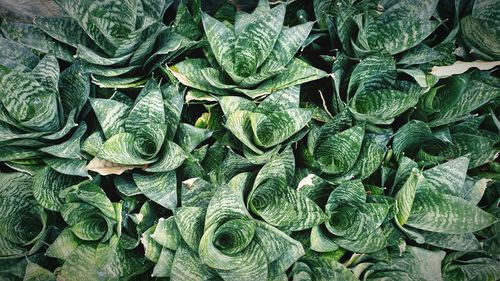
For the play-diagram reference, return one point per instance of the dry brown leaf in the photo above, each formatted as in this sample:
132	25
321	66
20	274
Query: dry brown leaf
105	167
460	67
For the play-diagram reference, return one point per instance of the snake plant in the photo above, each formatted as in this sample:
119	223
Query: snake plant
265	128
204	140
120	42
41	127
255	56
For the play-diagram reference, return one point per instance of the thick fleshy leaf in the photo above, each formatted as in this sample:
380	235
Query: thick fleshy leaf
221	39
338	153
271	196
47	185
159	187
111	115
33	37
406	196
270	130
464	94
447	214
399	35
255	41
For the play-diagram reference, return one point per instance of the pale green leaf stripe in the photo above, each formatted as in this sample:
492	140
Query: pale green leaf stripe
119	19
449	177
152	250
270	130
111	115
74	90
10	153
18	94
166	233
297	72
367	243
338	153
482	269
164	264
255	42
123	148
457	242
188	72
320	240
283	207
351	193
277	204
82	259
400	35
188	266
46	72
190	223
71	147
477	35
475	93
170	158
232	104
380	106
147	118
72	167
369	160
33	37
196	192
402	9
159	187
447	214
64	29
16	55
189	137
34	272
287	44
287	98
16	185
371	69
281	250
221	39
240	125
406	196
65	243
47	185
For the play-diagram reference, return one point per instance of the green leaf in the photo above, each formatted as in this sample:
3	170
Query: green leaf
47	185
255	41
338	153
33	37
111	115
278	204
447	214
159	187
406	196
399	35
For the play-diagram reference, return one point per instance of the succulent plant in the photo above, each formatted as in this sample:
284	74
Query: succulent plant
119	42
254	57
353	223
265	128
24	222
219	238
140	133
41	127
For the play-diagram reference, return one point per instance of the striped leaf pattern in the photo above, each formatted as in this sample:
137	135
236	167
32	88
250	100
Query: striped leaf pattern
250	140
256	53
268	125
19	238
39	110
110	34
136	135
